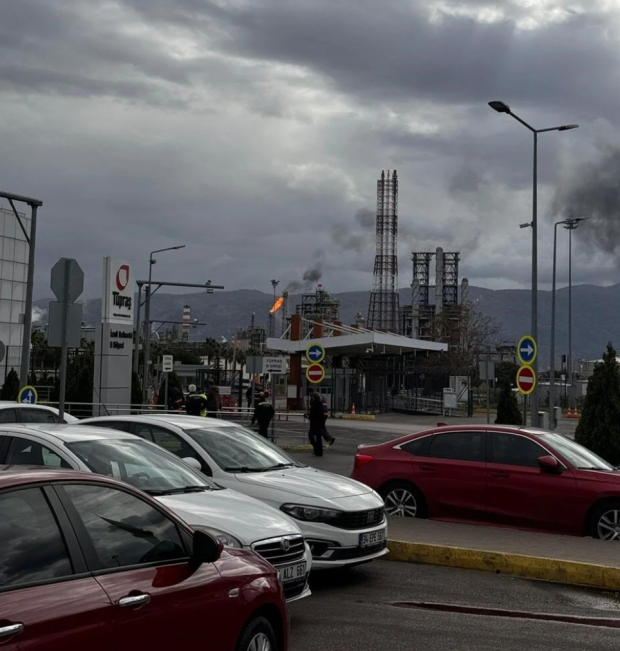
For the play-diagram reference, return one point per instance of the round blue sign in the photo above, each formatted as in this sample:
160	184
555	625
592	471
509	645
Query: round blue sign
527	350
315	353
28	396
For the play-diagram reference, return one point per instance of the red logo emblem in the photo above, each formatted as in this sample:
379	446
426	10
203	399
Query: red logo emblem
122	277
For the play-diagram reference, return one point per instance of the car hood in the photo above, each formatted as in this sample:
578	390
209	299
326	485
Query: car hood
243	517
305	482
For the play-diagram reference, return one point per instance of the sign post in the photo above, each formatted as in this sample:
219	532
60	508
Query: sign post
527	351
167	366
275	366
254	366
67	283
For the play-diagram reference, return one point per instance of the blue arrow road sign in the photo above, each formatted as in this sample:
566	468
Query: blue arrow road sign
527	350
28	396
315	353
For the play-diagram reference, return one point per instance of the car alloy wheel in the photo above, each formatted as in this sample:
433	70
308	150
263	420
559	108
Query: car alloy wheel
401	503
608	525
260	642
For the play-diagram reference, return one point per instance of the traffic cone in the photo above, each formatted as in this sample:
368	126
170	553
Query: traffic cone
353	409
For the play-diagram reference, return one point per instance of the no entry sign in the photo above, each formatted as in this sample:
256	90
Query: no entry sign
526	380
315	373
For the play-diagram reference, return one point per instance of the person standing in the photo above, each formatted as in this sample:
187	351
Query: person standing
196	403
263	414
175	399
214	401
325	434
316	416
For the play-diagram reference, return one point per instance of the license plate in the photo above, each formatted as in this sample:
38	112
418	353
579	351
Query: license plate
372	538
292	572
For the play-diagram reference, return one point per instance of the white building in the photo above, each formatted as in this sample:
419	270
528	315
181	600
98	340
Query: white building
13	279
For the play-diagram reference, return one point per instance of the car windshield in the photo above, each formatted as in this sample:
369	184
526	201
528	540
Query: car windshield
574	453
141	464
236	449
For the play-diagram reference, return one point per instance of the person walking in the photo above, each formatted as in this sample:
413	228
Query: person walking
175	399
263	414
214	401
325	434
196	403
316	416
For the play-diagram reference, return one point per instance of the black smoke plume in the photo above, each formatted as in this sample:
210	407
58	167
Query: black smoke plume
311	275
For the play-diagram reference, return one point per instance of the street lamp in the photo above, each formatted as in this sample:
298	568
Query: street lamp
147	318
274	284
502	107
570	225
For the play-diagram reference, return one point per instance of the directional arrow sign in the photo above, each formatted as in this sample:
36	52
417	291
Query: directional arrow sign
315	353
315	373
527	350
526	380
28	396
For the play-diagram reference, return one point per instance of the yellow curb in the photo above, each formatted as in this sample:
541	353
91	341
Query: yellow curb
527	567
296	448
355	416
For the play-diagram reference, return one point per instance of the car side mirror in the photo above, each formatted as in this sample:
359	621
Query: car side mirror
205	548
192	462
549	463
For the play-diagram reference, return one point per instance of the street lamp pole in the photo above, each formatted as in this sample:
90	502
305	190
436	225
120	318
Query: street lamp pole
501	107
147	319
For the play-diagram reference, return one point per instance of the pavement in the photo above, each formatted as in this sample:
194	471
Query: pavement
374	607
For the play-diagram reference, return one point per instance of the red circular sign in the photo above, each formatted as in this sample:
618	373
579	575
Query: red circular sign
122	277
315	373
526	380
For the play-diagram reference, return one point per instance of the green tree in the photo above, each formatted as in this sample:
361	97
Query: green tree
506	373
599	426
10	388
508	412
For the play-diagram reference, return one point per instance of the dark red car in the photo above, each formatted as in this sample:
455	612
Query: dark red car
91	564
526	478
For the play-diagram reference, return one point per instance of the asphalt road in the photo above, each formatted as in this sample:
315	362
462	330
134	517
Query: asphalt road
355	611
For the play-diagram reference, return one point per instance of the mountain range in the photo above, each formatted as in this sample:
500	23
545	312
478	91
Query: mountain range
596	313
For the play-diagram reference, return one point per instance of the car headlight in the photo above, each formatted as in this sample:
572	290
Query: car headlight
311	513
225	538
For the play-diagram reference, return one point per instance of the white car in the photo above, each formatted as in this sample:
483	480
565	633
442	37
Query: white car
233	518
342	520
17	412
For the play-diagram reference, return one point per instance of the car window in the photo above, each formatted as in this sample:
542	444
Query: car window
24	452
33	548
8	416
169	441
29	415
122	426
418	447
515	450
123	529
461	446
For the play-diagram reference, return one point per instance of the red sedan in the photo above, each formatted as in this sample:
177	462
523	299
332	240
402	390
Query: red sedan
526	478
90	563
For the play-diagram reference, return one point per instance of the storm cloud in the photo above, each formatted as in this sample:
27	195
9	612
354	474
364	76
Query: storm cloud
255	131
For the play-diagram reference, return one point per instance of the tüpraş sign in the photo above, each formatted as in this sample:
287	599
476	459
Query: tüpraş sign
118	291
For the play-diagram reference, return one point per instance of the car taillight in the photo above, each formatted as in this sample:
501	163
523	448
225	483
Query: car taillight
361	460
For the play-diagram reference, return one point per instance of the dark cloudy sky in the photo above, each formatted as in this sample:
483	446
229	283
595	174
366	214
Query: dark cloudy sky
254	131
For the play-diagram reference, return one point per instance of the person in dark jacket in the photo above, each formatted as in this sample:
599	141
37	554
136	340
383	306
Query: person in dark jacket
316	416
214	401
325	434
196	403
263	414
175	399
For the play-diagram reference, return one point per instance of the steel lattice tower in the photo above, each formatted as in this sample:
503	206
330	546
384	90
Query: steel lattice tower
383	310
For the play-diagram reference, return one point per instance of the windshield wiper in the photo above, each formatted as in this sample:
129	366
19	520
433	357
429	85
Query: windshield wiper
245	469
177	491
278	466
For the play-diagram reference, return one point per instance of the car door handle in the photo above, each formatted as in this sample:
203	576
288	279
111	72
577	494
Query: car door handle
427	466
499	475
11	629
134	600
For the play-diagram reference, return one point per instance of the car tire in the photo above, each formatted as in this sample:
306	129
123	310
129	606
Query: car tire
258	635
403	500
605	521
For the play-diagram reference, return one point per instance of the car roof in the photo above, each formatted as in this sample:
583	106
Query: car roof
182	421
9	404
14	475
68	433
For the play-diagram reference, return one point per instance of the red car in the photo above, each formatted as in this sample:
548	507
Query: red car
526	478
89	563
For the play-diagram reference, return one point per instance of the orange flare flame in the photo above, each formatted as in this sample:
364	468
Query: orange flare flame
276	306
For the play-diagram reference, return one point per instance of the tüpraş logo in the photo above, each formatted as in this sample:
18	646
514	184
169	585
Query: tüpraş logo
122	277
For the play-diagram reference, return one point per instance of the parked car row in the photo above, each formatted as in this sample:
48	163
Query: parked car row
167	511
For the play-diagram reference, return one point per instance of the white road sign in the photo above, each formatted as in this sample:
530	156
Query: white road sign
276	365
167	364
